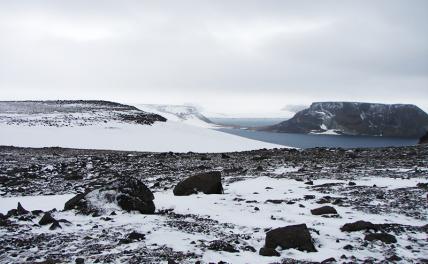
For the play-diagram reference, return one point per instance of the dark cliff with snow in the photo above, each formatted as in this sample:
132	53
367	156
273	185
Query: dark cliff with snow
349	118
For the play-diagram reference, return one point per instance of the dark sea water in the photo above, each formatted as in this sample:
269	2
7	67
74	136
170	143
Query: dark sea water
311	141
247	122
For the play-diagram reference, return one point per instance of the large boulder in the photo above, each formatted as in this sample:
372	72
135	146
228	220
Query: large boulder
324	210
357	226
293	236
208	183
128	193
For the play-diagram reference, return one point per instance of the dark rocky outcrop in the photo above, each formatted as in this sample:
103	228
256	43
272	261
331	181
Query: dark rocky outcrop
47	219
21	210
384	237
424	139
358	226
293	236
208	183
324	210
129	193
349	118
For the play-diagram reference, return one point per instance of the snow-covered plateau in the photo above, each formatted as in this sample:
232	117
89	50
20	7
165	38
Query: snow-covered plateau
107	125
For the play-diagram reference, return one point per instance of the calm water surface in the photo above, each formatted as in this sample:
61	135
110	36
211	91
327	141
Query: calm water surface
311	141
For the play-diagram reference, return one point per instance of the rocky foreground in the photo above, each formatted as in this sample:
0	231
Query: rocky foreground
265	206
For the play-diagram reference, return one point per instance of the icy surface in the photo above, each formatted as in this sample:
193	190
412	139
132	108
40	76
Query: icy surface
159	137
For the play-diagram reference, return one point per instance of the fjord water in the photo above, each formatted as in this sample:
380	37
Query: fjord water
312	141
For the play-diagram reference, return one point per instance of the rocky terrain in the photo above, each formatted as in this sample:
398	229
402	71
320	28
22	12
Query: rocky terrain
349	118
71	113
264	206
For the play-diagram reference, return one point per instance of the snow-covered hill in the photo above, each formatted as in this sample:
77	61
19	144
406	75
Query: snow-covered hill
106	125
181	113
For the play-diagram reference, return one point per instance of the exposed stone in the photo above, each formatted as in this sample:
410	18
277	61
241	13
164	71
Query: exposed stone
208	183
46	219
268	252
357	226
293	236
384	237
324	210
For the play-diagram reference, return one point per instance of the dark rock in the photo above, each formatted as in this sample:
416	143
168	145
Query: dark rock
79	261
74	202
225	156
21	210
329	260
12	212
208	183
129	193
268	252
275	201
351	183
55	225
348	247
324	210
309	183
394	258
384	237
220	245
293	236
36	212
357	226
136	236
46	219
249	248
309	197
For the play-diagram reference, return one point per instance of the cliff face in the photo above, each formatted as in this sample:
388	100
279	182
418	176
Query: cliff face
348	118
424	139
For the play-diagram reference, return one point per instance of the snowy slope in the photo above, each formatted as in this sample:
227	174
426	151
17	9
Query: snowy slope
180	113
98	130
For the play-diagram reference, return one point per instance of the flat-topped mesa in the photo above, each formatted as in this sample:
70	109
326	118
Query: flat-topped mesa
72	113
353	118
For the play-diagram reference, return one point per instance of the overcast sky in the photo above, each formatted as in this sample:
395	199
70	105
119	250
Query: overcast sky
227	56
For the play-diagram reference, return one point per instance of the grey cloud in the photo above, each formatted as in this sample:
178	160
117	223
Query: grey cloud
211	51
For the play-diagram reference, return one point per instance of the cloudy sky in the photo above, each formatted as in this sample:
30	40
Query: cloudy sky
226	55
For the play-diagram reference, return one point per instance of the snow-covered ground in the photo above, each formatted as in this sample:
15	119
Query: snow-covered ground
180	113
232	212
112	126
159	137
